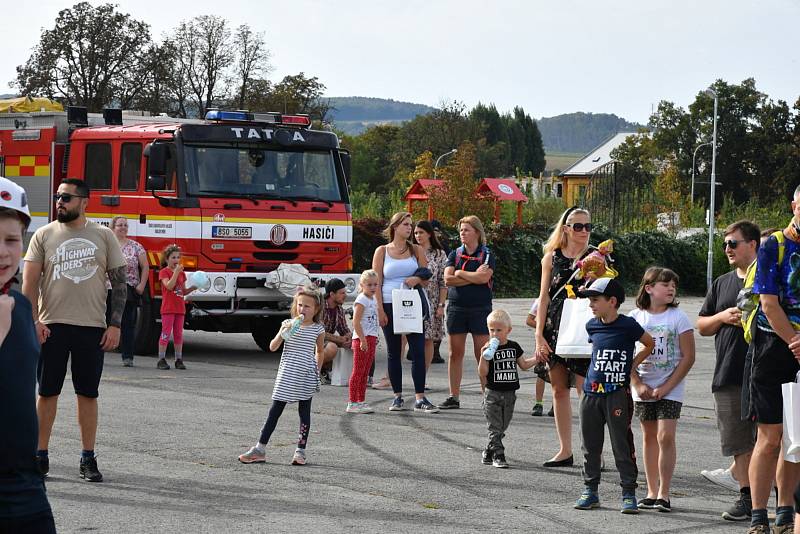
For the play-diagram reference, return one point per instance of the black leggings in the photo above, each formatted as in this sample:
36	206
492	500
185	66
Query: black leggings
303	408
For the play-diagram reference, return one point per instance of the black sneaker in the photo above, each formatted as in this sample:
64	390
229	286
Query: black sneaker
179	365
43	464
537	410
437	359
450	403
486	457
89	470
325	378
551	413
500	461
663	505
741	510
162	364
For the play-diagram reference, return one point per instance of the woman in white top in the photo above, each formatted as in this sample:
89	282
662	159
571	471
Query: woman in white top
396	264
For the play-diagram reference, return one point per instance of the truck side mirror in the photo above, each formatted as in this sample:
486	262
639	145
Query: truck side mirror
157	154
345	155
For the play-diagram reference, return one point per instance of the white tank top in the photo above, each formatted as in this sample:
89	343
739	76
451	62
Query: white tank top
395	272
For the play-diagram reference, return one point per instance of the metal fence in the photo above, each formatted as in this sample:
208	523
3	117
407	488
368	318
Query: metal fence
622	198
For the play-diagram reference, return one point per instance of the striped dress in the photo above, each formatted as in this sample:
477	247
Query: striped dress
297	377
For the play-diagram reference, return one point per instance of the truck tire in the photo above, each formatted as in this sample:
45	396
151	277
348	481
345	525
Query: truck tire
147	329
263	330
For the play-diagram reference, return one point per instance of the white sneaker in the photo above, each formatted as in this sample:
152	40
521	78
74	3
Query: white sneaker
722	477
358	407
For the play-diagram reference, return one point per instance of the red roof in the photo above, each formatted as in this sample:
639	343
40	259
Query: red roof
420	189
501	189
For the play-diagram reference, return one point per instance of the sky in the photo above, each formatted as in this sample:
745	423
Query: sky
548	56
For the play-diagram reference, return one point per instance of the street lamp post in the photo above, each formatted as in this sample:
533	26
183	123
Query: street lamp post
435	165
693	166
710	266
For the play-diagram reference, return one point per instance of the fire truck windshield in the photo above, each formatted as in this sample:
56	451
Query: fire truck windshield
254	172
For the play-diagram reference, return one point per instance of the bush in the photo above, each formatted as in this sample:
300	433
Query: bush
518	255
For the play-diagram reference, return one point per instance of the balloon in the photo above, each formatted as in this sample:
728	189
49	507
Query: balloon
200	280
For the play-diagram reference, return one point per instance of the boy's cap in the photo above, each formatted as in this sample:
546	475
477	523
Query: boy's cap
604	286
333	285
436	224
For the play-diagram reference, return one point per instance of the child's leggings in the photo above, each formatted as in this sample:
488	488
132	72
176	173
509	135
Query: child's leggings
362	361
171	323
303	408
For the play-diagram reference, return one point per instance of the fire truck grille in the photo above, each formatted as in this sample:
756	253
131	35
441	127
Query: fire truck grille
275	256
269	245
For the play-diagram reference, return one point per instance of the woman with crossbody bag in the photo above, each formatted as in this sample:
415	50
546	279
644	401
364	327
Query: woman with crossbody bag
568	243
397	264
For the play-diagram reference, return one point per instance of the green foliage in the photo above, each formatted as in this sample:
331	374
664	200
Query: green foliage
518	253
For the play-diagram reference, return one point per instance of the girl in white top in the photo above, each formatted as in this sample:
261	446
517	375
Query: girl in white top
365	341
658	382
298	373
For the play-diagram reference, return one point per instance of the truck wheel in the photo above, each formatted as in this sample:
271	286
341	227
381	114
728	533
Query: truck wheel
263	330
147	329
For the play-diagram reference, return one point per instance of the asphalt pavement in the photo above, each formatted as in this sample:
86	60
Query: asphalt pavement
168	444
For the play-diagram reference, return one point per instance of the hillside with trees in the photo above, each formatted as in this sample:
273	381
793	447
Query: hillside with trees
578	133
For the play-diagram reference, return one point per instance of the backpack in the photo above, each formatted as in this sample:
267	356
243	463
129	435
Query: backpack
482	257
747	301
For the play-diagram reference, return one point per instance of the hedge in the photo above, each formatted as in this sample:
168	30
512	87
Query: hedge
518	253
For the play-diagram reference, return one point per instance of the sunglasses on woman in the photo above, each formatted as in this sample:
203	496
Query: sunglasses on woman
580	227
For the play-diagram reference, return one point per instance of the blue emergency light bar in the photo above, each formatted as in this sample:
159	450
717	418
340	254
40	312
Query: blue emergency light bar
270	118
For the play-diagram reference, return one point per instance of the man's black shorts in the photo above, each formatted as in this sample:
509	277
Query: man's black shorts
467	320
773	365
80	345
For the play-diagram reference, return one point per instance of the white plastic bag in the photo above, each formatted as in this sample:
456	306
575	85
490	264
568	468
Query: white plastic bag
791	420
406	311
573	340
287	278
342	367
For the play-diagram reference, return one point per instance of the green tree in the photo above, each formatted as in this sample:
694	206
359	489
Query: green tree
93	57
297	94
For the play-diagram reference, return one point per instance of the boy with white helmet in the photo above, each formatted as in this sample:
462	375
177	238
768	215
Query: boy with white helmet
22	492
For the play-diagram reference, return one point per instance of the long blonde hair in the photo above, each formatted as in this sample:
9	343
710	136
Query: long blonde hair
476	223
394	222
558	239
314	293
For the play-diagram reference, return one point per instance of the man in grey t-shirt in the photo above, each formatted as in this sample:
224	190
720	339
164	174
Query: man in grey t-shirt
64	277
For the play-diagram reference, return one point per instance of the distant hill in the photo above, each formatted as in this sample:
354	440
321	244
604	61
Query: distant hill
354	114
580	132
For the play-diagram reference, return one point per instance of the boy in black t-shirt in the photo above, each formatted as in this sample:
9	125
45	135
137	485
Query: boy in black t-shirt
499	371
606	397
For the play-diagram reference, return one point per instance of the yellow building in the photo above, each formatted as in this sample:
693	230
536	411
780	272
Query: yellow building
576	177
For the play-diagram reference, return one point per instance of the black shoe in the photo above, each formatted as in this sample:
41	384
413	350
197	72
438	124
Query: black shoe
741	510
537	410
566	462
43	464
647	503
162	364
179	365
663	505
486	457
450	403
89	470
551	413
437	359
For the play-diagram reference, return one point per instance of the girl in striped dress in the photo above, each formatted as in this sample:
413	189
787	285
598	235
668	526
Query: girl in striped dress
298	374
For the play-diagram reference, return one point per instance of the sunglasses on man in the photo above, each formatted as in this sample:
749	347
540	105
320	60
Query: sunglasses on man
580	227
732	243
66	197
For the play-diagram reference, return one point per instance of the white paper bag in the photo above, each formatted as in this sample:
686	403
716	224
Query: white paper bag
791	421
342	367
573	341
406	311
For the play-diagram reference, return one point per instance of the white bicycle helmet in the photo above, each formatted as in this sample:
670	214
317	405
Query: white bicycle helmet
13	197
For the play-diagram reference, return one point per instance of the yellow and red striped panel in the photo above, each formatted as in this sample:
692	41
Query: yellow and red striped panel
27	166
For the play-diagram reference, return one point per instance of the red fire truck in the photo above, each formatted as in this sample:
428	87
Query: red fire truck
240	193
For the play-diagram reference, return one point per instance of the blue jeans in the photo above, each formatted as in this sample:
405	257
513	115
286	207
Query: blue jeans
416	350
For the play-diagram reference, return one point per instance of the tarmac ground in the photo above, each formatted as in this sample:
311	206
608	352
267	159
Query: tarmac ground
168	443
